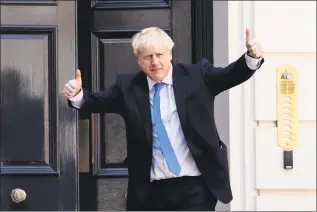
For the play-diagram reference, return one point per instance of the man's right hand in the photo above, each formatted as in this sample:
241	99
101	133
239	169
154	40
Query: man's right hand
73	87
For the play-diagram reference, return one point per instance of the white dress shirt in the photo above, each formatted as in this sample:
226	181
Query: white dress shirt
169	115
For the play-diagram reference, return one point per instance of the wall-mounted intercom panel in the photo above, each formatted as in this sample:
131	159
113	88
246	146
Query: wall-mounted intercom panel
287	112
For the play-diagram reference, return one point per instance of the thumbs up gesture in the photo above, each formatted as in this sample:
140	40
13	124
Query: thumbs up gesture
72	87
254	48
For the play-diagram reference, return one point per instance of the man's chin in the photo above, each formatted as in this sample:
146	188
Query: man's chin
158	78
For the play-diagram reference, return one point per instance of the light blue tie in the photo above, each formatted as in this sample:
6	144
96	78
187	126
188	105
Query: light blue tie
165	143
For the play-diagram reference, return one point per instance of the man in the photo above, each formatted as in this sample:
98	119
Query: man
176	159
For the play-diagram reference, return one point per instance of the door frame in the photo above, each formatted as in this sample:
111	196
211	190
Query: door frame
202	30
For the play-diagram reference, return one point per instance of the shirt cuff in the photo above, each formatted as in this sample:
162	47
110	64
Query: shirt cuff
252	63
77	100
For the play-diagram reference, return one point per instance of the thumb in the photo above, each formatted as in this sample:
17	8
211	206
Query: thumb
78	75
248	36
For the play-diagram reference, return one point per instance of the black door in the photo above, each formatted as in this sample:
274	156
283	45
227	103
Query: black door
37	128
105	29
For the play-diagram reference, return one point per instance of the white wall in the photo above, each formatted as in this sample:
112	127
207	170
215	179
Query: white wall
287	32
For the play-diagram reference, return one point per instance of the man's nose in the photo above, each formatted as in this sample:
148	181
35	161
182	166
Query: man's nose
154	60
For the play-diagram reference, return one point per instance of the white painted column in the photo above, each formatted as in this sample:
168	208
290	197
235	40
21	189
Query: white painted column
241	112
288	35
287	31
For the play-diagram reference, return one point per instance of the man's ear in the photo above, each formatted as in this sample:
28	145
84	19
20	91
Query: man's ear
138	61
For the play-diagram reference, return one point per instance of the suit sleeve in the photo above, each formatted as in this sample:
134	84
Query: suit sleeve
220	79
106	101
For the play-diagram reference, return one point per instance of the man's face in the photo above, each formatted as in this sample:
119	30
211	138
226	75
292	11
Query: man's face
155	62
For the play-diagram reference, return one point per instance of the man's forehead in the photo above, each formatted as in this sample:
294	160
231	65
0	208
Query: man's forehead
153	50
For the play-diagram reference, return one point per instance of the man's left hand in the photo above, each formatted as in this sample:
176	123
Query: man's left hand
254	48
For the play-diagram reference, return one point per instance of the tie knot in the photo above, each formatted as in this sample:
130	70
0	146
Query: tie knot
158	86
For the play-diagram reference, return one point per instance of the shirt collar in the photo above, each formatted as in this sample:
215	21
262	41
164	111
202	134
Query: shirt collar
167	80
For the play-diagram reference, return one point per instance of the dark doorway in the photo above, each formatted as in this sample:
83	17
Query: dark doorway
105	29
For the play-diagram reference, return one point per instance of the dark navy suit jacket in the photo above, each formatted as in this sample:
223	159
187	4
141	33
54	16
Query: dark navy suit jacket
195	88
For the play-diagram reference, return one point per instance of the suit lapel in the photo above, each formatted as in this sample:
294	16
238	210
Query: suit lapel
141	93
180	77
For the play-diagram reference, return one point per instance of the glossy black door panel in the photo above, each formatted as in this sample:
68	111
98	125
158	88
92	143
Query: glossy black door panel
37	129
28	110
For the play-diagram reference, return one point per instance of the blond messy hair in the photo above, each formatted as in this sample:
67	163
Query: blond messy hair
151	37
